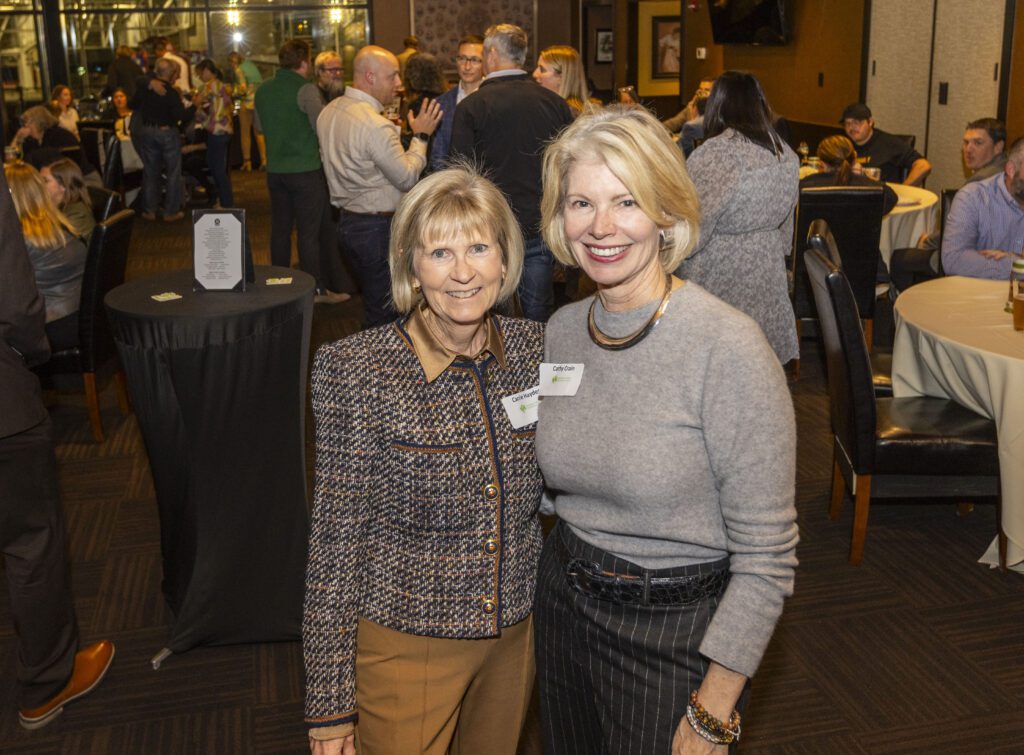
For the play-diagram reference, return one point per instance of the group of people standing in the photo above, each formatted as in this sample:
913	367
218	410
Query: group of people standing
652	419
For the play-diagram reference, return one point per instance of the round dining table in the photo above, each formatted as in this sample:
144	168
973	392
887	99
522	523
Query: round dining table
954	340
916	213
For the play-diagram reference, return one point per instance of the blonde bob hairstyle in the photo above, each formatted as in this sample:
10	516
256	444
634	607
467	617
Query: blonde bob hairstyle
42	223
442	207
641	154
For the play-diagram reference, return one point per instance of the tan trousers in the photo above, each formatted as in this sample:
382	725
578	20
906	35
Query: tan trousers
429	695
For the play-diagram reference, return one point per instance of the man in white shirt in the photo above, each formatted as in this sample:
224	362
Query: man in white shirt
470	62
165	49
368	170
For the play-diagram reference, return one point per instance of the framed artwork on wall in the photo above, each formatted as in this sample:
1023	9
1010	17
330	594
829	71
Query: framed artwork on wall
659	44
604	48
666	36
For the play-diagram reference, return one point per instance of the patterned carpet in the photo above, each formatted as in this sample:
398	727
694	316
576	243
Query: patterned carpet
921	649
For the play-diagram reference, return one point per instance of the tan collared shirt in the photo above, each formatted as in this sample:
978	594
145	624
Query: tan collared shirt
367	169
435	357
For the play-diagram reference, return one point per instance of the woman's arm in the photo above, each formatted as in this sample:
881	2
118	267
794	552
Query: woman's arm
344	408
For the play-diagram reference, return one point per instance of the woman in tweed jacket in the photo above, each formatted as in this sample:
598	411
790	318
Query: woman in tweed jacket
425	539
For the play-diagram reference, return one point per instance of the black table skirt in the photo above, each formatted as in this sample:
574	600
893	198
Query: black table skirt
218	384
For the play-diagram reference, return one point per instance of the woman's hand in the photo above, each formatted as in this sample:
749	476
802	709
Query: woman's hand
342	746
688	742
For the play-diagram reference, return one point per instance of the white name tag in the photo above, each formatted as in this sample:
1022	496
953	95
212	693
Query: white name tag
560	379
521	408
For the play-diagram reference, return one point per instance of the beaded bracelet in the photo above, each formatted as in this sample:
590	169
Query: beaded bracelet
709	727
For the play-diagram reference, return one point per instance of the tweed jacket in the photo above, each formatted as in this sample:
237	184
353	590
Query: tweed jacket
425	502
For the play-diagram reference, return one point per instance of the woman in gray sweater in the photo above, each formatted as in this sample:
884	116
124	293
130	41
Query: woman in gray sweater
669	456
748	182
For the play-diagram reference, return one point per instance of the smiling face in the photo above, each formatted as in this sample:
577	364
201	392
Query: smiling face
64	97
120	100
53	187
545	75
460	278
979	149
613	240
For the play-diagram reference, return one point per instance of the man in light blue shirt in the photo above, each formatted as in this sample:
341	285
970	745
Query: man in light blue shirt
985	229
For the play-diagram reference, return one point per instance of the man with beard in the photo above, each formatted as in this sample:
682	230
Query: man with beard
985	229
328	84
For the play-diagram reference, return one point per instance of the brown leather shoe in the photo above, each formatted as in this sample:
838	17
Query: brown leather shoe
174	218
91	664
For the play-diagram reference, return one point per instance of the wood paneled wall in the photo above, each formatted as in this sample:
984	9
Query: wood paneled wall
827	38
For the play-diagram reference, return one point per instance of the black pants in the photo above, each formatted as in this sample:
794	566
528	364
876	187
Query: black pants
297	200
364	242
32	542
614	679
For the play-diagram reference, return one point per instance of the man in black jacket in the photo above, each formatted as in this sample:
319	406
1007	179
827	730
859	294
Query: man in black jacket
504	128
51	671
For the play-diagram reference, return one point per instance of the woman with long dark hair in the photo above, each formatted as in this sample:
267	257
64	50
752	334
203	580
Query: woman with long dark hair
747	179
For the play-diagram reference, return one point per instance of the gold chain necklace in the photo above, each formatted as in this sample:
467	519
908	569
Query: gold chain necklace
618	344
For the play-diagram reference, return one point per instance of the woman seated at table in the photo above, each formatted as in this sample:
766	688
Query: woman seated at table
57	255
670	461
67	189
119	112
62	100
425	539
747	179
42	141
840	168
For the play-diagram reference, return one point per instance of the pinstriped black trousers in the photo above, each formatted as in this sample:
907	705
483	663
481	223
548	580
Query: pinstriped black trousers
614	679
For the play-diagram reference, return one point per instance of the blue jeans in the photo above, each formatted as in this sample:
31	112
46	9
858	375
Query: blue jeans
160	152
364	242
536	295
217	161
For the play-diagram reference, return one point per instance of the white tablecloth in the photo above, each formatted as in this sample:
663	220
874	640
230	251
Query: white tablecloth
953	340
916	213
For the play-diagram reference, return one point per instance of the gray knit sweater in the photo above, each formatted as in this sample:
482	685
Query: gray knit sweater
680	450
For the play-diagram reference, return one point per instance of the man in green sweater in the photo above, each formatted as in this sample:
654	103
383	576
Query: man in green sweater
295	178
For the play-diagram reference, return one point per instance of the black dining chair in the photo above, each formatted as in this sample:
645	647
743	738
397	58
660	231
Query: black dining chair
819	238
105	202
854	215
919	447
105	265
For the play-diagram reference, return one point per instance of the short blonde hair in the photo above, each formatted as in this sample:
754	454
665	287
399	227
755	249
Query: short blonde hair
566	63
42	223
451	203
641	154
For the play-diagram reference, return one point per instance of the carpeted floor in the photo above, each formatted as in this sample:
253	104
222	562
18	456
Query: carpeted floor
920	649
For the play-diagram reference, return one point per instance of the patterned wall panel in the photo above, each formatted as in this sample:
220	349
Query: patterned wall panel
440	23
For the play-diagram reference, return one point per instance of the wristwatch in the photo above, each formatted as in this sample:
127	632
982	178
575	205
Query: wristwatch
423	137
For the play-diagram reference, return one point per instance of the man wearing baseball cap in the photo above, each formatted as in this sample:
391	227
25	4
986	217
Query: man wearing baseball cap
880	149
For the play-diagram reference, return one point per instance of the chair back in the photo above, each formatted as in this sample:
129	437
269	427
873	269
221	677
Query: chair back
819	237
910	139
946	201
854	217
850	391
104	270
104	202
113	169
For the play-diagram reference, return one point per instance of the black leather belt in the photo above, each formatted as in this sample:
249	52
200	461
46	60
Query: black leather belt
587	578
368	214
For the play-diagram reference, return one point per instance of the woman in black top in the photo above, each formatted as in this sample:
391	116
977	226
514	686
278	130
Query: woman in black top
839	158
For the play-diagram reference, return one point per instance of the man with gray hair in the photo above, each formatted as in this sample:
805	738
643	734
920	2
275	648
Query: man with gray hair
504	128
157	110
